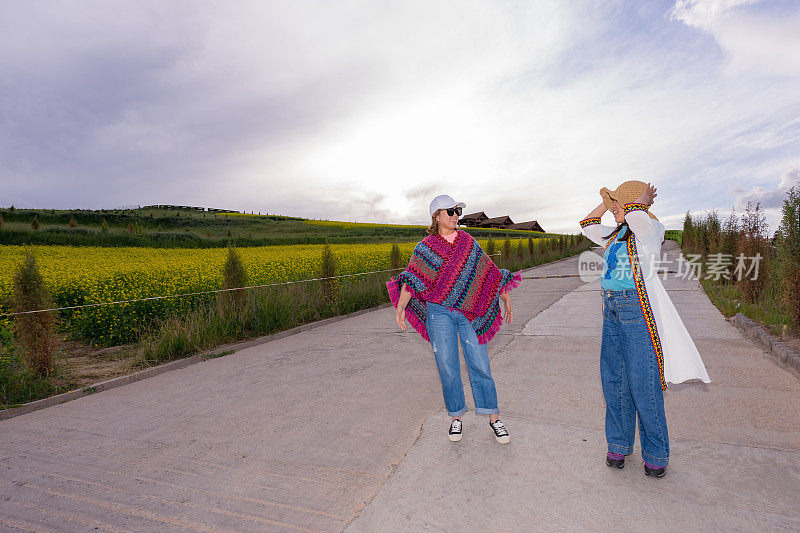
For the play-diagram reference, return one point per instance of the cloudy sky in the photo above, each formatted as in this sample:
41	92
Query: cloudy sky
365	110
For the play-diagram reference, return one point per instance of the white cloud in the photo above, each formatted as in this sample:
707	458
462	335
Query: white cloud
705	13
754	42
772	197
789	179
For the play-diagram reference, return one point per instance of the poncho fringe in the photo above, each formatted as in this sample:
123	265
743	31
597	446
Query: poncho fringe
459	276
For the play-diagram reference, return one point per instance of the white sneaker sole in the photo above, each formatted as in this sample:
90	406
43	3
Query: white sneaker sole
455	438
503	440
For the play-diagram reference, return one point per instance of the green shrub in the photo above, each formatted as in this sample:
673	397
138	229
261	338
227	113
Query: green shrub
729	235
18	383
395	260
506	253
234	276
753	244
686	236
491	249
329	269
35	330
521	252
712	232
789	255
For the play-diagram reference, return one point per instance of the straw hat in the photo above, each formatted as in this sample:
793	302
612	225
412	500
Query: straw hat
626	193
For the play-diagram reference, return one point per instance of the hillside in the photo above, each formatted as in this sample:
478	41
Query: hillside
183	227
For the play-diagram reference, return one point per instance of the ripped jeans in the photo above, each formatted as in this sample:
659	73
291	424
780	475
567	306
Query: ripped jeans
444	327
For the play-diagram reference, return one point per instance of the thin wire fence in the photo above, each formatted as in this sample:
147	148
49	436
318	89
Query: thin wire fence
150	298
249	287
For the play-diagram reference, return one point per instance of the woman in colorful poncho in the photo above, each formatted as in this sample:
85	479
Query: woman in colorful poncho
645	344
452	289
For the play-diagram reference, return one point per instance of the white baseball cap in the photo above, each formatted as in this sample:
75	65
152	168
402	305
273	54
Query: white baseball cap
444	201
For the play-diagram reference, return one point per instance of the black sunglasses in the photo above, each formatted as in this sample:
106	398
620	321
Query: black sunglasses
453	211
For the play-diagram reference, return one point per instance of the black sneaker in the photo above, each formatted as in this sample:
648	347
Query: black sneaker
619	463
655	472
455	430
500	432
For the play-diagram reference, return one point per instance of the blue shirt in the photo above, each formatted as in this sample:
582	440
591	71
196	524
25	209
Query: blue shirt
617	274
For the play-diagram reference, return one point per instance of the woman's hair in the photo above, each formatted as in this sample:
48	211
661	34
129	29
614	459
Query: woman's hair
433	229
619	228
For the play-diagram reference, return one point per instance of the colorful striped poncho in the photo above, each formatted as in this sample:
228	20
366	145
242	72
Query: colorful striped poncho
459	276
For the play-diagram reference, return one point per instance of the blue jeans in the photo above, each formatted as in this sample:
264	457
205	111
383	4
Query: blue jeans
444	327
631	380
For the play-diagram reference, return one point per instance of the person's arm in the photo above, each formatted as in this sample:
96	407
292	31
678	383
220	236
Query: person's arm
597	212
509	313
591	227
645	228
402	302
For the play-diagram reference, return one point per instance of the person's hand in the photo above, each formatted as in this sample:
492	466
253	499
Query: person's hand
647	196
400	317
509	314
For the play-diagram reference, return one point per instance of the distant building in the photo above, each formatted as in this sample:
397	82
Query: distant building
497	222
480	220
531	225
473	219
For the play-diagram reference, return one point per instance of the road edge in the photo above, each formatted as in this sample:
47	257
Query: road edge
777	350
119	381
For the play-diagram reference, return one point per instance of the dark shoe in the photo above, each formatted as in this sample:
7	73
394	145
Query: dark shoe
655	472
619	463
500	433
455	430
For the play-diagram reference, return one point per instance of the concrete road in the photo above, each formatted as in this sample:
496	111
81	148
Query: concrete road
344	427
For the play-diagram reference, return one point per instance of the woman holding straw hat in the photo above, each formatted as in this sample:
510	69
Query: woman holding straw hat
450	290
645	344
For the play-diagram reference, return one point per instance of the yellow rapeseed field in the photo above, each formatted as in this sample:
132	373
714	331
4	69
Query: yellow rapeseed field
86	275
